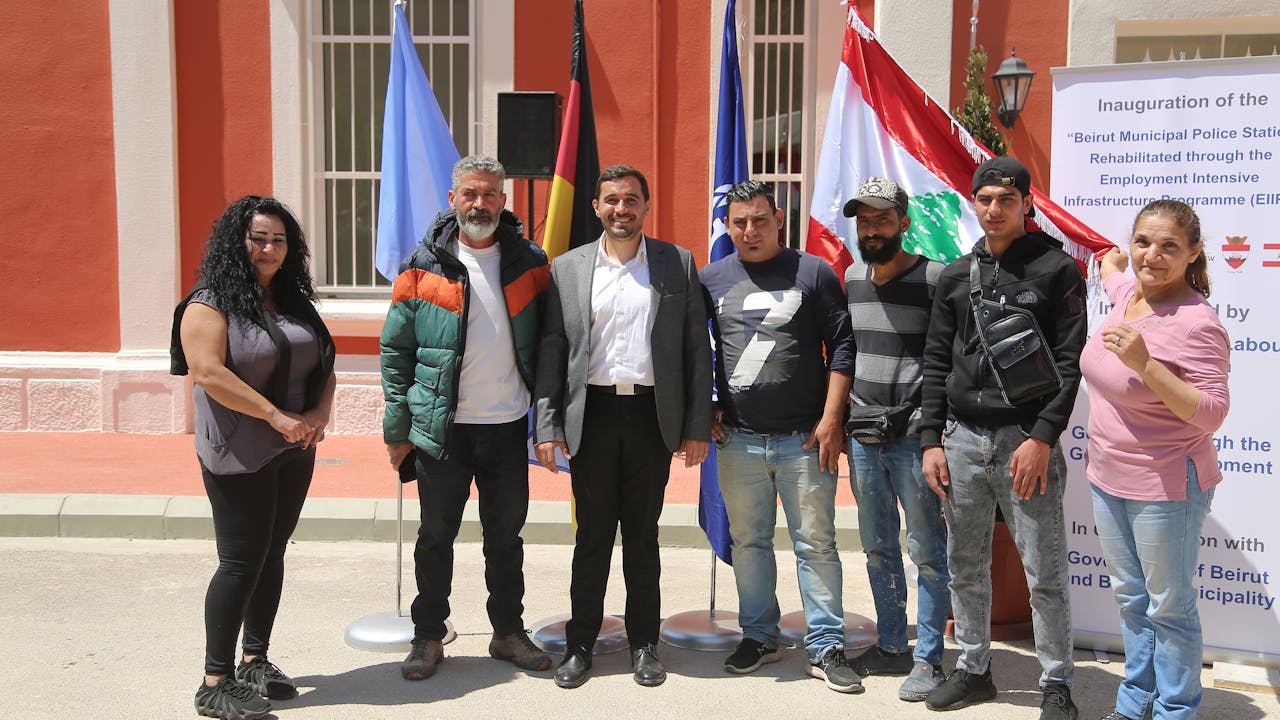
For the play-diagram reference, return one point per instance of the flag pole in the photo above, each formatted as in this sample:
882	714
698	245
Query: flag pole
711	602
707	629
570	223
391	632
418	154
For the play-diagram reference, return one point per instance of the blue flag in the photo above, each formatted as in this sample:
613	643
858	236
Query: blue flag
418	155
731	167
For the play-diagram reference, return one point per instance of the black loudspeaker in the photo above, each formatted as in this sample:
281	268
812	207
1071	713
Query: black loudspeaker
527	133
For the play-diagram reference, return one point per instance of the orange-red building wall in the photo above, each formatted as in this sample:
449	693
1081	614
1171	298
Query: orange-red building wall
59	286
651	109
1039	30
223	66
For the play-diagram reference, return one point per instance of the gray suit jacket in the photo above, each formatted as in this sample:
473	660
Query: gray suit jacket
679	343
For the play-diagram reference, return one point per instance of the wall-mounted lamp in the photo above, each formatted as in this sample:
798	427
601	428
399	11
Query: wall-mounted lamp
1012	82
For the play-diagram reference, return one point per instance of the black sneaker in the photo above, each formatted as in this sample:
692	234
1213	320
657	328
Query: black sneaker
230	700
266	679
1057	703
882	662
833	668
750	655
1115	715
960	689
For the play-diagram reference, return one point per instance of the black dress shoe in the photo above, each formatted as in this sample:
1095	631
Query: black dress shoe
649	670
574	669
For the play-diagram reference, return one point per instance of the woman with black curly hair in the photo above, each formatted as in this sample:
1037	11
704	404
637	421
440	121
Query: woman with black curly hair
262	362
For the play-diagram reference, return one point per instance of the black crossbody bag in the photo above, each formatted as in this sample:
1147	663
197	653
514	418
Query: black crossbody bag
1014	346
877	424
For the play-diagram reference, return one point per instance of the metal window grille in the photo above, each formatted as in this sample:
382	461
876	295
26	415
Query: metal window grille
1196	38
352	49
1195	47
779	88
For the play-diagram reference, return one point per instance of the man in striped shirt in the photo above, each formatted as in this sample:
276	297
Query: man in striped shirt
889	302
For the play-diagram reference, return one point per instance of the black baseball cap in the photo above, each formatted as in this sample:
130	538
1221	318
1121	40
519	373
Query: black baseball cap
879	193
1002	171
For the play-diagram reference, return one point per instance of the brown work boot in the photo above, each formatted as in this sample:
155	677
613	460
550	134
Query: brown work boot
519	649
423	659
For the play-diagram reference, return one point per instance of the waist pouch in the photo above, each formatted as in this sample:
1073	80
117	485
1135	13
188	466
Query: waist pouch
877	424
1014	347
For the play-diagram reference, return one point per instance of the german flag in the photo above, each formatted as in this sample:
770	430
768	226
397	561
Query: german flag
570	219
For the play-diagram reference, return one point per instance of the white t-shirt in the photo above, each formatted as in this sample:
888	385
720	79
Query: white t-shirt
491	390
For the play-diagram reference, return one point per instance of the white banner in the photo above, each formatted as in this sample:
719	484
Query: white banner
1206	132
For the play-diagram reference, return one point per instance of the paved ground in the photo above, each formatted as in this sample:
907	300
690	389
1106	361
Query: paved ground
111	628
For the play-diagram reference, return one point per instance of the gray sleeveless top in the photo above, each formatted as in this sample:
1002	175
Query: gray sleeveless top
230	442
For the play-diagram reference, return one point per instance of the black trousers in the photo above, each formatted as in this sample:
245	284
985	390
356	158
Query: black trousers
253	516
497	457
619	477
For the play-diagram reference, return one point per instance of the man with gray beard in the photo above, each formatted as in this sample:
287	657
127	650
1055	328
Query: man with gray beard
459	352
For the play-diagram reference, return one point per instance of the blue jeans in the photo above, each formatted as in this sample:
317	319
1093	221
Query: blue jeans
883	476
756	470
1151	549
978	461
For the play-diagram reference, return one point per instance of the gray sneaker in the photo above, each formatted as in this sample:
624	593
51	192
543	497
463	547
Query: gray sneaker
833	669
923	678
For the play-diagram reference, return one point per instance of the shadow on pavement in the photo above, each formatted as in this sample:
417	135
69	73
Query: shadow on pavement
381	684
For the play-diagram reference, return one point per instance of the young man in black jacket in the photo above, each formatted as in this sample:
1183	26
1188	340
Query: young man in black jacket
980	451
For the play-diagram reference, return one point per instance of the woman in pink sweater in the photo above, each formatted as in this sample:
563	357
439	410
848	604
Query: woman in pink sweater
1157	377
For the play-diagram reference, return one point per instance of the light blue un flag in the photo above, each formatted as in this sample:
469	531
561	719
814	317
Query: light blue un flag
731	167
418	155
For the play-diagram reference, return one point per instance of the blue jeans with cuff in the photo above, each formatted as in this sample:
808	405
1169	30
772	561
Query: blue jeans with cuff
755	471
882	477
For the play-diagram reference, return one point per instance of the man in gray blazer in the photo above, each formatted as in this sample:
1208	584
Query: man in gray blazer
623	381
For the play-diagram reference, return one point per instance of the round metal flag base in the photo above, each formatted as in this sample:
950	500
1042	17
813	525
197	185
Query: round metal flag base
702	630
859	631
549	635
388	632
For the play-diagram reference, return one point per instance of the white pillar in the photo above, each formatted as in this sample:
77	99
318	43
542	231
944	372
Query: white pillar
917	33
138	394
290	157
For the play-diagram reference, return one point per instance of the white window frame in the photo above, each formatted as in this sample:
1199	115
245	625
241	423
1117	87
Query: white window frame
296	172
794	227
319	211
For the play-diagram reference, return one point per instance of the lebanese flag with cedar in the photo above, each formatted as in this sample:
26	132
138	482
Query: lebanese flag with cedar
882	123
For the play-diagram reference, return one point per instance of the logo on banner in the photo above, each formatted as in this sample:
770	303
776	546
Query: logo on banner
1235	251
1271	253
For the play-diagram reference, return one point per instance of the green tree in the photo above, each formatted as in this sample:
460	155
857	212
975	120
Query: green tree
975	114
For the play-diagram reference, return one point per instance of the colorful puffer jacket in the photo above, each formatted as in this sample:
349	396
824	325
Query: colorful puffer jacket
425	334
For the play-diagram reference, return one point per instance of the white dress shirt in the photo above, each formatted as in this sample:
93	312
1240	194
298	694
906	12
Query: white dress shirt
620	302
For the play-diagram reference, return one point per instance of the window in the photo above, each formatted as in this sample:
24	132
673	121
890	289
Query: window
779	86
352	50
1196	38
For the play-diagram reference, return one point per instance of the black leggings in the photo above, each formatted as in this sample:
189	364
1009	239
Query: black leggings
253	516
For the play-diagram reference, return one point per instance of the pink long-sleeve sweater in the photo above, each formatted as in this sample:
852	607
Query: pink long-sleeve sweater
1138	448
